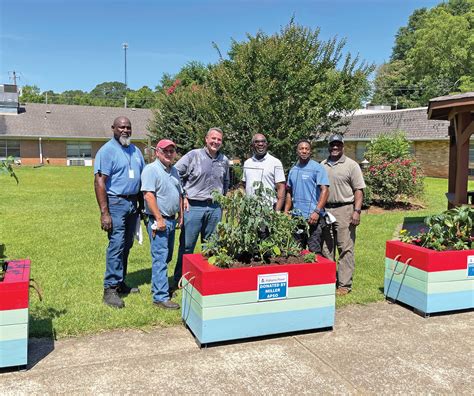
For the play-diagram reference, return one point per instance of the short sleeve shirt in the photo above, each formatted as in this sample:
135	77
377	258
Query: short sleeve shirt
345	177
304	182
267	171
122	166
201	174
165	185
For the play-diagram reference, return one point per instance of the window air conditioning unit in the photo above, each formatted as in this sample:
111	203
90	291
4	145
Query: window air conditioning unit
75	162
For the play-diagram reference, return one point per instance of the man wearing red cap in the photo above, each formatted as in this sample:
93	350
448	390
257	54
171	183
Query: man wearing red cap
162	191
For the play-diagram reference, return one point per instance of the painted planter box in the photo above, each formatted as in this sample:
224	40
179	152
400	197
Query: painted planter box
228	304
14	291
428	280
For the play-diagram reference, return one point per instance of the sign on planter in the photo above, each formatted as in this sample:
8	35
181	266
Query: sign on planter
470	266
272	286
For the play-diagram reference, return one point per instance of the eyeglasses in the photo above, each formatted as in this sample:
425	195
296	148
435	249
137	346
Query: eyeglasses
260	141
169	151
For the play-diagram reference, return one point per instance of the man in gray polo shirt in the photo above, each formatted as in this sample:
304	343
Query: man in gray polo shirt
162	191
344	203
202	172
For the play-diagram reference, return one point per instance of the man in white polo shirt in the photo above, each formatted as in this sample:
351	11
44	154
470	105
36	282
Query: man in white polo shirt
266	170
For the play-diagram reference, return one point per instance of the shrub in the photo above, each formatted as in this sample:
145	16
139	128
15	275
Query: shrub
251	229
450	230
393	174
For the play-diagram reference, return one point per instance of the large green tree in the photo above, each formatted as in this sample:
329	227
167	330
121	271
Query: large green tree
432	56
289	85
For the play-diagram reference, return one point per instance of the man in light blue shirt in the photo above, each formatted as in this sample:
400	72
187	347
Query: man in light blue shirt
308	190
117	168
162	192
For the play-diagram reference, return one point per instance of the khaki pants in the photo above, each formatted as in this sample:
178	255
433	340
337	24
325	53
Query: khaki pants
341	234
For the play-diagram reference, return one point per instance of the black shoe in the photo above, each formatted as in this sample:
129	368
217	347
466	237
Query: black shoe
112	299
172	291
168	304
123	288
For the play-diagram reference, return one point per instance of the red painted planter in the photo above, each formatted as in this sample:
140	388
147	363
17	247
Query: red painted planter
429	280
227	304
14	294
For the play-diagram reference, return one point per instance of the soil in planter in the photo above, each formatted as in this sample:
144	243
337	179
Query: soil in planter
271	261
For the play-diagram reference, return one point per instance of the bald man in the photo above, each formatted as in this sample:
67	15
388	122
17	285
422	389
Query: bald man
117	169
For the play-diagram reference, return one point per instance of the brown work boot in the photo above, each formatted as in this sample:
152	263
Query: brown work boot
342	291
167	304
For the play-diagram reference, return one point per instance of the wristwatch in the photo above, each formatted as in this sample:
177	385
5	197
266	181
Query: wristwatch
317	210
357	210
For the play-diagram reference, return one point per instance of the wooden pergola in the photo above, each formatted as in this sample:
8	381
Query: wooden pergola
459	110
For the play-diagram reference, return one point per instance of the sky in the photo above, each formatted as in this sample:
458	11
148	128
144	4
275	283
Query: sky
69	44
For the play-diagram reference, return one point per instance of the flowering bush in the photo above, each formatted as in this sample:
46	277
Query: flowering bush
450	230
393	174
396	180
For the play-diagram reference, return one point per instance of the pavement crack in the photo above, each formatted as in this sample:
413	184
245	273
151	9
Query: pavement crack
334	369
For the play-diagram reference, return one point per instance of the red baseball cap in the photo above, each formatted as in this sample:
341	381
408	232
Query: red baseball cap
163	143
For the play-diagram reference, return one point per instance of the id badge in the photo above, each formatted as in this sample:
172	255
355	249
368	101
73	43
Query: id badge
131	175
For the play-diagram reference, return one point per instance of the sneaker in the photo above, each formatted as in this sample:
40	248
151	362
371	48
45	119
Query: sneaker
123	288
167	304
112	299
342	291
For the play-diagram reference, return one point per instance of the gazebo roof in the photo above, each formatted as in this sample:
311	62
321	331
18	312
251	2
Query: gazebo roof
439	108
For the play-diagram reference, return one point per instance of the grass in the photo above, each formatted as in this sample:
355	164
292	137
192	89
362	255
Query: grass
52	218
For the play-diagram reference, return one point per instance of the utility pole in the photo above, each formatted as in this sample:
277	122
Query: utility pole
125	47
14	77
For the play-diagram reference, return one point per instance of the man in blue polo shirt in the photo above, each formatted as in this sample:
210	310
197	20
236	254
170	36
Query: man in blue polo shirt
117	168
308	190
162	191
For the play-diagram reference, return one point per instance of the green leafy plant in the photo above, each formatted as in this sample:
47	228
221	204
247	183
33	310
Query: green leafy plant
393	175
6	167
251	230
450	230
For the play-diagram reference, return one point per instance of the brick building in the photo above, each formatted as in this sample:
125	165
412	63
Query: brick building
429	138
64	134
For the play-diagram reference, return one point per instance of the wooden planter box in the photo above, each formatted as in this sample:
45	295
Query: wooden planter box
228	304
14	291
428	280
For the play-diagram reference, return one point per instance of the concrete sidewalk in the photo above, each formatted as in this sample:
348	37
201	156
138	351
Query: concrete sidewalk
378	348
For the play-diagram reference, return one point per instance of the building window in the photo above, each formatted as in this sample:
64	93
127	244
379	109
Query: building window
79	150
9	148
360	151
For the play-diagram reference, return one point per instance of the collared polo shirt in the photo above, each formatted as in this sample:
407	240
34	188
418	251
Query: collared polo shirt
201	174
304	182
345	177
122	166
267	171
165	185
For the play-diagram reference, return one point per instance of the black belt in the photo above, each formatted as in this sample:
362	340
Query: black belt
130	196
208	201
165	217
337	204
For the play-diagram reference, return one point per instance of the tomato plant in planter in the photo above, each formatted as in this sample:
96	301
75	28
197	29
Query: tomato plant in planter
225	301
433	271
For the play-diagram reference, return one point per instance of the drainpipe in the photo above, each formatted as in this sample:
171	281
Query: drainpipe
40	150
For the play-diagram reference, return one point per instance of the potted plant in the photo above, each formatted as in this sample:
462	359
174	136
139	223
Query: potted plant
252	279
14	297
433	271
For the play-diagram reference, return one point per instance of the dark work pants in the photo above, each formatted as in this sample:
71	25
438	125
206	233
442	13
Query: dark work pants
313	238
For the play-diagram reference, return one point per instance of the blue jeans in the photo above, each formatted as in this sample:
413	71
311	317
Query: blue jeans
124	215
201	219
161	247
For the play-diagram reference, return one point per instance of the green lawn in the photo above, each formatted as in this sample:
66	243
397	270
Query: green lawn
52	218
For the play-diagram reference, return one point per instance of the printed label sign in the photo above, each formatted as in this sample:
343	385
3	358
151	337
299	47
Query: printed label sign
272	286
470	266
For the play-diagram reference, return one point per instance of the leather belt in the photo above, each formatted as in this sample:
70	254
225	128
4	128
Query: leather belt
130	196
337	204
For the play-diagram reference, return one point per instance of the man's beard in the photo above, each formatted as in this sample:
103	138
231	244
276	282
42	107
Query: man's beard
125	141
